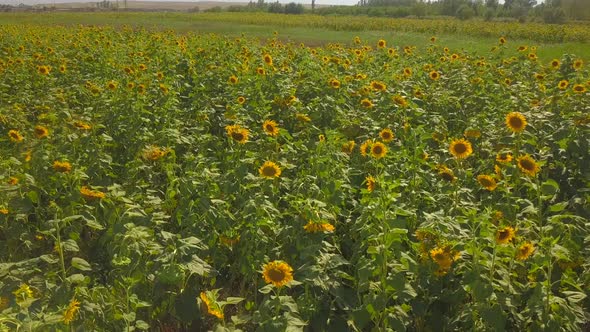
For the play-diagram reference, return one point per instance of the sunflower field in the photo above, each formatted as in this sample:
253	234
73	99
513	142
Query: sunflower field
157	181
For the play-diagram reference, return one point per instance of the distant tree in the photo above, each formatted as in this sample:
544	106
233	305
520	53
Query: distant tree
294	8
275	7
465	12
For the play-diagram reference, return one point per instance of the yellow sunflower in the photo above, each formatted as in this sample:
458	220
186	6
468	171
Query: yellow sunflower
578	64
472	133
446	174
268	59
334	83
400	101
528	165
44	70
237	133
370	180
502	40
460	148
15	136
90	194
241	100
579	88
505	235
555	64
260	71
407	72
504	158
516	122
211	305
277	273
348	147
441	257
269	170
434	75
317	227
386	135
378	86
270	128
366	103
363	148
562	85
71	311
233	79
525	251
381	43
62	166
487	182
378	150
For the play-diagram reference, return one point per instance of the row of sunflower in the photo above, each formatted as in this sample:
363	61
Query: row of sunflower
164	181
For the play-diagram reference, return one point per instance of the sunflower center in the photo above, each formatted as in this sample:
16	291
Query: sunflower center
515	122
269	171
485	182
269	127
503	235
386	135
447	176
237	136
276	275
439	256
460	148
377	149
527	164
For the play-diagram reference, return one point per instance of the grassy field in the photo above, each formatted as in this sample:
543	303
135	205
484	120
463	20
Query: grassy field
337	30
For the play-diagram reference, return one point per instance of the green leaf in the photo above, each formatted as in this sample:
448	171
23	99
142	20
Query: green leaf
494	317
70	245
549	187
232	300
81	264
142	325
574	297
76	278
198	266
558	207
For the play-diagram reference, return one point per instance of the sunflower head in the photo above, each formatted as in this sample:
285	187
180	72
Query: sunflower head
579	88
434	75
277	273
271	128
334	83
378	86
260	71
505	235
90	194
386	135
400	101
62	166
516	122
381	43
524	251
44	70
407	72
460	148
366	103
446	174
578	64
211	305
504	157
237	133
233	79
370	180
378	150
348	147
241	100
319	227
41	131
528	165
267	59
487	182
555	64
15	136
562	85
269	170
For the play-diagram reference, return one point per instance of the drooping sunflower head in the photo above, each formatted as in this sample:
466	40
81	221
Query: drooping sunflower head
378	150
370	180
505	235
269	170
525	251
386	135
460	148
62	166
271	128
71	311
319	227
516	122
487	182
446	174
400	100
348	147
211	305
363	148
528	165
277	273
90	194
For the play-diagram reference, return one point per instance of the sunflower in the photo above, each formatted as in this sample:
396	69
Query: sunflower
302	117
532	56
487	182
12	181
386	135
363	148
370	180
317	227
241	100
579	88
446	173
3	211
142	66
555	64
407	72
164	88
381	43
539	76
233	79
578	64
112	85
62	68
378	150
237	133
211	305
269	170
90	194
62	166
400	101
41	131
563	84
15	136
366	103
441	257
321	138
334	83
505	235
502	40
153	153
472	133
82	125
504	158
378	86
460	148
525	251
44	70
348	147
260	71
516	122
528	165
277	273
434	75
267	59
270	128
71	311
